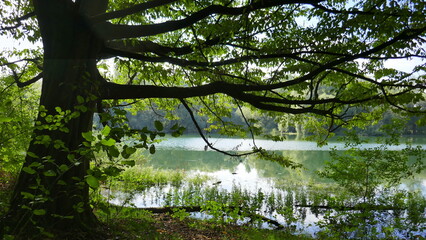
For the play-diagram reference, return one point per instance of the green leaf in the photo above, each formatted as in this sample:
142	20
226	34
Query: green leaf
5	119
130	163
63	168
88	136
130	150
92	181
80	99
112	171
174	127
158	125
27	195
31	154
49	173
39	212
35	164
175	134
105	132
152	149
62	182
28	170
71	157
113	151
110	142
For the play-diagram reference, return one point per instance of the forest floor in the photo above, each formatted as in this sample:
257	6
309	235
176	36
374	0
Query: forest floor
165	227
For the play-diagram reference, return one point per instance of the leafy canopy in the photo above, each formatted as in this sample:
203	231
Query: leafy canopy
313	57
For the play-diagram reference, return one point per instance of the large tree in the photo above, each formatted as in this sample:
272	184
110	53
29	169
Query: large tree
301	57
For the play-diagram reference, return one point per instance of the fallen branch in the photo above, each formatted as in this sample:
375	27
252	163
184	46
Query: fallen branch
356	207
199	209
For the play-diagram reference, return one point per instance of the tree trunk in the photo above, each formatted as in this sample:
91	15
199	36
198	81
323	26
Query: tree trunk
51	194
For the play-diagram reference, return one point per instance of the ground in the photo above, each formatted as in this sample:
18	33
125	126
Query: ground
165	227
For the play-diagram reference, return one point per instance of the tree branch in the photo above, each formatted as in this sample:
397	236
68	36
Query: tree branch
34	60
186	63
113	31
354	11
19	21
131	10
148	46
117	91
27	83
200	132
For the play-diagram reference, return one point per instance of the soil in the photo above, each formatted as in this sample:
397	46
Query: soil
168	226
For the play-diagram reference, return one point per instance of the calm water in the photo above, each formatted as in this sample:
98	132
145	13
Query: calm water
248	173
188	154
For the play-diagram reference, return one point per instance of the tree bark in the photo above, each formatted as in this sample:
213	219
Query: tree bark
51	194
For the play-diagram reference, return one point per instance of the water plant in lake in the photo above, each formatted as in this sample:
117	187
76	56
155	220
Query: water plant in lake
371	176
363	201
293	207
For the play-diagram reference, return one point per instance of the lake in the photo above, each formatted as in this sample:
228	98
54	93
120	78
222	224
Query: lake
188	154
248	173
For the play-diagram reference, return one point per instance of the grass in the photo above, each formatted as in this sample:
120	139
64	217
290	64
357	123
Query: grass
148	176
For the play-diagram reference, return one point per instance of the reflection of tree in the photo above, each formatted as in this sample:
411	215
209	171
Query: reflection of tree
311	160
207	161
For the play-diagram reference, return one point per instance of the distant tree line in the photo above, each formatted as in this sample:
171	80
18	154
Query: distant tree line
270	125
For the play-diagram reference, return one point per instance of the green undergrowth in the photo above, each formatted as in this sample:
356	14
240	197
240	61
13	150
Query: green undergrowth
141	177
131	223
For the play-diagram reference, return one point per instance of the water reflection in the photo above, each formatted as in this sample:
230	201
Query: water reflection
235	144
248	173
249	170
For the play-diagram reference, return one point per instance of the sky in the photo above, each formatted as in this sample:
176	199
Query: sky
398	64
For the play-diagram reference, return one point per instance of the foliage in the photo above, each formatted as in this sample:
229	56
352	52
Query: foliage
372	176
323	61
17	110
362	170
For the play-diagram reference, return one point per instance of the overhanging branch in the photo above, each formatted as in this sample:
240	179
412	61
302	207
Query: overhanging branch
200	132
135	47
18	22
131	10
115	31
